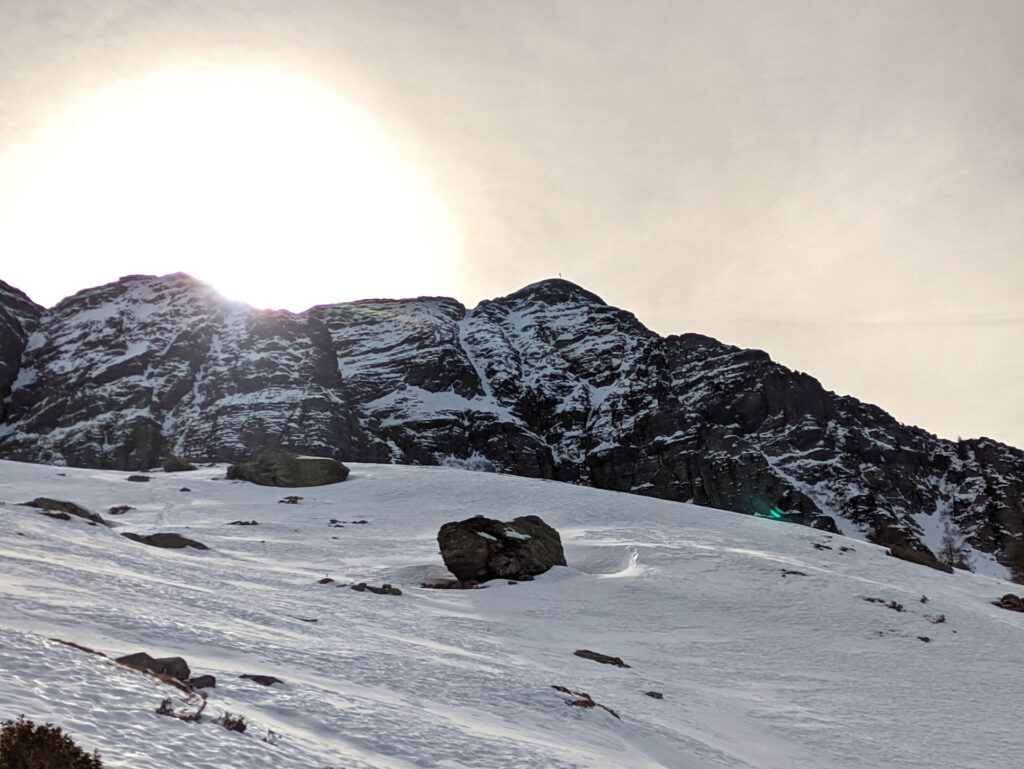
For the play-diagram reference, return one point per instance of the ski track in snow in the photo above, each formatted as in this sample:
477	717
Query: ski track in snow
757	669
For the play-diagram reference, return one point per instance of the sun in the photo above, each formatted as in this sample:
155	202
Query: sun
268	186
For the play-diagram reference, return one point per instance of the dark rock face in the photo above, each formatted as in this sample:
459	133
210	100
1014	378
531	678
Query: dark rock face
280	468
175	667
165	539
478	549
548	382
19	317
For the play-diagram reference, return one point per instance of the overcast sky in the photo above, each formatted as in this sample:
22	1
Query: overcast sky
838	183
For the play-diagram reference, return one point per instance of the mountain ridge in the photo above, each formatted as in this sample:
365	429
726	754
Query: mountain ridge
547	382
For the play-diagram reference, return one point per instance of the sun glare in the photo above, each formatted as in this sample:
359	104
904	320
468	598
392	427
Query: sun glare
269	187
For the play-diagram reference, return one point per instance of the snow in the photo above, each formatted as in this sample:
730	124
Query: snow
759	667
413	403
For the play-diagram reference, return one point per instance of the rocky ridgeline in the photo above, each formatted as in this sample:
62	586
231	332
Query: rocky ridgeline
547	382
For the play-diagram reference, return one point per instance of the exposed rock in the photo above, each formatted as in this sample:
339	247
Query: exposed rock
120	509
478	549
69	508
173	464
203	682
602	658
291	500
165	539
139	478
923	557
184	488
655	695
382	590
244	523
325	581
262	680
455	584
19	317
1009	601
175	667
281	468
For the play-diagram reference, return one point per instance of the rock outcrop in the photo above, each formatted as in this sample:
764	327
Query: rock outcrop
480	549
68	508
548	382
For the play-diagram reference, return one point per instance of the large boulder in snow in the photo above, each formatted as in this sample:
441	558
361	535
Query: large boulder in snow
175	667
478	549
282	468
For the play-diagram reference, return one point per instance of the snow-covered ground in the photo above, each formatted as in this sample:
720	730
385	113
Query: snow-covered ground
759	666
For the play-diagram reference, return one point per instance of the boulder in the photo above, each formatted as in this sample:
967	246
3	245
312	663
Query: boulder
61	506
478	549
175	667
923	557
261	679
203	682
1009	601
173	464
281	468
165	539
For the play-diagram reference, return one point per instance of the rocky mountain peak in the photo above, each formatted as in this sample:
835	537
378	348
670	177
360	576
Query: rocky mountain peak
554	291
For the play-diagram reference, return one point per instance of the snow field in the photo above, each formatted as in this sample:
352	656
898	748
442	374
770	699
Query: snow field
757	668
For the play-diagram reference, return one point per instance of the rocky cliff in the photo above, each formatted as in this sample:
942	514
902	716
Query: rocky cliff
547	382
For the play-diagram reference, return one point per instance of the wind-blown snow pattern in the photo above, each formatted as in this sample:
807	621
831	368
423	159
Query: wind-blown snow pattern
757	633
548	382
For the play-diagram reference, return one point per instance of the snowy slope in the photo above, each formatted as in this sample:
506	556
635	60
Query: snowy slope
758	668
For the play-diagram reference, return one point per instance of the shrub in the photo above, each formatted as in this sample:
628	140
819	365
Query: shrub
26	745
232	723
195	701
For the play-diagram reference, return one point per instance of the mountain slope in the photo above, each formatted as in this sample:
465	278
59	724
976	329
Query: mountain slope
758	633
19	316
548	382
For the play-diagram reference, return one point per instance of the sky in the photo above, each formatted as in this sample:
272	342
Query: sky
840	184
